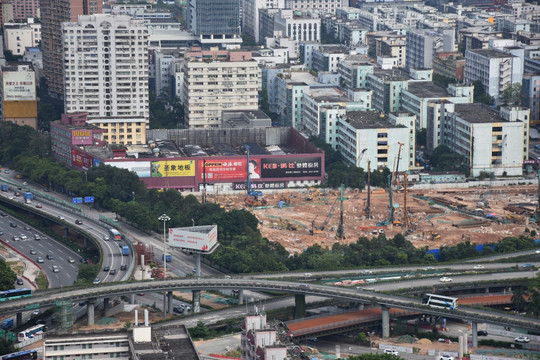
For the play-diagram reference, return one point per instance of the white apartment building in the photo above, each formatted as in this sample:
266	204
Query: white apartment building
299	27
327	57
422	44
250	15
92	346
364	136
229	82
106	74
493	68
17	37
490	141
323	106
329	6
260	341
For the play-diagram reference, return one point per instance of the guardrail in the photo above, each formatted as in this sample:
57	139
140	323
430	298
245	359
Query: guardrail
109	290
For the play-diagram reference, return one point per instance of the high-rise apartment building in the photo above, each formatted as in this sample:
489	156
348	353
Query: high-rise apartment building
106	74
215	21
329	6
250	15
494	69
218	80
421	45
53	14
24	9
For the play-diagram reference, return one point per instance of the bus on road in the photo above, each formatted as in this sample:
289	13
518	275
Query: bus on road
115	234
14	294
31	332
440	301
22	355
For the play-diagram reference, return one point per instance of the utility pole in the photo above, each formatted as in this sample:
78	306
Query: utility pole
340	230
368	205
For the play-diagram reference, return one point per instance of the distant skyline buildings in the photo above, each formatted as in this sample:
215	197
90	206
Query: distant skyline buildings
53	14
24	9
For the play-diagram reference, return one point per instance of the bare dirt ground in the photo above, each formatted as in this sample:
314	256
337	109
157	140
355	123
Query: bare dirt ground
429	224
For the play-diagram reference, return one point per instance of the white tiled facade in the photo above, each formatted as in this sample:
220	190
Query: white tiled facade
106	72
300	28
211	87
17	37
93	347
494	69
322	5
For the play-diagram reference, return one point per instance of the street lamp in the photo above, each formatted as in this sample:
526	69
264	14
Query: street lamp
164	218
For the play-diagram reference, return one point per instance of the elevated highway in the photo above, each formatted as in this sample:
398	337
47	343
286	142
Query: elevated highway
384	301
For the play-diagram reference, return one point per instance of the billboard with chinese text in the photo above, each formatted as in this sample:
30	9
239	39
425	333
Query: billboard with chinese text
200	238
224	169
173	168
81	137
290	167
262	185
80	159
19	85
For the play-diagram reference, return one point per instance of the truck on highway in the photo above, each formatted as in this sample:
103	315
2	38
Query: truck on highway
168	257
6	324
4	187
28	195
125	250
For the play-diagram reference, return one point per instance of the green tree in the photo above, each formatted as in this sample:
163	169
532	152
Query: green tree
200	331
444	159
512	94
7	276
518	299
6	347
480	94
421	138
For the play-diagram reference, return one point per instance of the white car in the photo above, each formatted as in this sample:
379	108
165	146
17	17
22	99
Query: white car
537	251
479	267
522	339
391	352
55	269
446	357
445	279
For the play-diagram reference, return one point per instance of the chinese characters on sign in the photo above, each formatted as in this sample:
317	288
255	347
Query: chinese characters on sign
173	168
266	185
227	169
290	167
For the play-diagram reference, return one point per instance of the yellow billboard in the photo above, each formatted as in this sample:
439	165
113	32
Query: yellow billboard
173	168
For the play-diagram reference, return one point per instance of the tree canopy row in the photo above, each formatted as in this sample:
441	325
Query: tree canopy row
243	249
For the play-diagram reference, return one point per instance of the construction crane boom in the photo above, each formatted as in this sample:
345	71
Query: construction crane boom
396	164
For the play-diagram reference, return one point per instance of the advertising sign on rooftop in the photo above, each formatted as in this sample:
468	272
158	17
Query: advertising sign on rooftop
81	137
223	169
290	167
199	238
173	168
19	85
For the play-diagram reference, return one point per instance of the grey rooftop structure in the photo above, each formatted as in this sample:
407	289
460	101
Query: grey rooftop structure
427	89
478	113
367	120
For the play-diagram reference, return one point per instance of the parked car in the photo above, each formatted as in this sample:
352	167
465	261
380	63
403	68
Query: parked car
96	281
32	252
20	281
55	269
16	238
178	309
482	333
50	257
391	352
71	260
446	357
39	259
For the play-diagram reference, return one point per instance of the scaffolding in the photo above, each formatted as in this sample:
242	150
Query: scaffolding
64	314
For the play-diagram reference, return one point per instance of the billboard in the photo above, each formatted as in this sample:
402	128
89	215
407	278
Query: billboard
290	167
173	168
201	238
19	85
225	169
141	168
81	137
262	185
80	159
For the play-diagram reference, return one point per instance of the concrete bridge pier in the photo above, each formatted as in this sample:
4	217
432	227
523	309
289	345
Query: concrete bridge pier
385	322
169	302
361	306
299	306
66	232
196	301
86	243
487	290
240	297
132	299
91	303
106	305
474	329
18	319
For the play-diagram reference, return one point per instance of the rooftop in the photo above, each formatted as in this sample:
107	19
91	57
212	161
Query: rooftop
330	95
478	113
367	120
427	89
391	74
490	53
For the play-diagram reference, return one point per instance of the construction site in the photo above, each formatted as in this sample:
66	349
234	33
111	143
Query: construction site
300	218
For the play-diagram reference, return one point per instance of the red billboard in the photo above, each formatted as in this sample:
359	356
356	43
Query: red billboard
223	169
80	160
